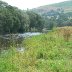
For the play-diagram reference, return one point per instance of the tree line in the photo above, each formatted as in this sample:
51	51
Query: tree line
14	20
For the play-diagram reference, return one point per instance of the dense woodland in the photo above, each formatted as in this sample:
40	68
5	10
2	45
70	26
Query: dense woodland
14	20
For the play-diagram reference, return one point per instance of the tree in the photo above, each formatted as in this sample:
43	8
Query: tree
36	21
14	20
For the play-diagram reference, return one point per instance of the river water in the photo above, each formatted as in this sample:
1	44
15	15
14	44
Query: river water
15	40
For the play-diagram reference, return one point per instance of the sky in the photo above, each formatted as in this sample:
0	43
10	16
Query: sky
24	4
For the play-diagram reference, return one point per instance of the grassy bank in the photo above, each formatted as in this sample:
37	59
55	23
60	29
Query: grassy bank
50	52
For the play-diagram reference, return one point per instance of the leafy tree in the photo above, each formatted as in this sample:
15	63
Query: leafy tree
14	20
36	21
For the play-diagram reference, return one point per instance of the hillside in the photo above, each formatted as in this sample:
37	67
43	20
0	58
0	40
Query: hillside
66	6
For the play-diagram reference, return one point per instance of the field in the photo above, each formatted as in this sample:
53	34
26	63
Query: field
50	52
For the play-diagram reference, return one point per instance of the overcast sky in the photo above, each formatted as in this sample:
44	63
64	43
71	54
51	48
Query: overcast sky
24	4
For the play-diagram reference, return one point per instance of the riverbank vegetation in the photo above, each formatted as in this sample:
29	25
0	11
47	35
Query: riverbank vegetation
51	52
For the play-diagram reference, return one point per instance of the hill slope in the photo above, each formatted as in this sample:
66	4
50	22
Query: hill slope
66	6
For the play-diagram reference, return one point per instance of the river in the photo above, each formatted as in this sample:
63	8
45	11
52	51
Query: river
15	40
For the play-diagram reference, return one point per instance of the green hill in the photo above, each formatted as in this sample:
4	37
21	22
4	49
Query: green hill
66	6
63	4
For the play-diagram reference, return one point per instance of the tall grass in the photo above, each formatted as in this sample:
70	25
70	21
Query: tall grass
44	53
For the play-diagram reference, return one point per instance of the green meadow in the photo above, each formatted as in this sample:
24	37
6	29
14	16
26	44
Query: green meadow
50	52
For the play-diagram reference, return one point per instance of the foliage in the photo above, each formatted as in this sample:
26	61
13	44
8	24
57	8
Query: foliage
36	21
57	19
43	53
14	20
56	15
